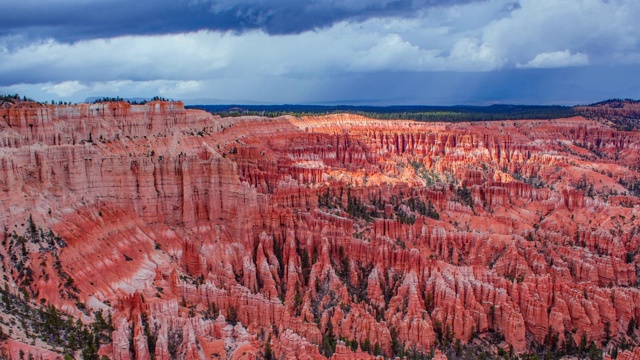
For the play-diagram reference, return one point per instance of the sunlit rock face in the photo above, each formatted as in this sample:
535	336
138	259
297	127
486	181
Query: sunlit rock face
335	236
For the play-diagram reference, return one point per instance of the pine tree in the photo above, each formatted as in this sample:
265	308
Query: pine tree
32	227
233	316
268	354
90	352
376	349
583	343
366	345
594	352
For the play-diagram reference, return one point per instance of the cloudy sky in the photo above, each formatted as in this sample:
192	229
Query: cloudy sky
323	51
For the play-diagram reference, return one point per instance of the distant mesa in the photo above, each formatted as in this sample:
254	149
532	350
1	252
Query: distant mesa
623	114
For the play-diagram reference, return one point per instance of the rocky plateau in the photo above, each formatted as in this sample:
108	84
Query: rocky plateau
157	232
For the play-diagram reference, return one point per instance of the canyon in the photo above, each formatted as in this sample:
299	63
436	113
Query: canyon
176	234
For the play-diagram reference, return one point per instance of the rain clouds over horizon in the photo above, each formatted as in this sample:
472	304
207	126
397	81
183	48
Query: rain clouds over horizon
324	52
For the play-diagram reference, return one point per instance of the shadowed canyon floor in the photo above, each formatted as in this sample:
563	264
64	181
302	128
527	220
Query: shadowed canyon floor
176	234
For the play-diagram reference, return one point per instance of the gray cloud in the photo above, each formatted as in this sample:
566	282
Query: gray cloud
72	20
468	51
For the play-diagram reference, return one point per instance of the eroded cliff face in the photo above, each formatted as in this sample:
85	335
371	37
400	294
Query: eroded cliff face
336	236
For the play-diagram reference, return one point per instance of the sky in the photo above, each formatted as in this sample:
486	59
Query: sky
373	52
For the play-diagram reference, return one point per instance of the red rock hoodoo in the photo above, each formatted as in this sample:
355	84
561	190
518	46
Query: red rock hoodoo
198	237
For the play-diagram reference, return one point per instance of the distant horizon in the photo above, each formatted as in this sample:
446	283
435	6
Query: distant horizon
364	105
213	102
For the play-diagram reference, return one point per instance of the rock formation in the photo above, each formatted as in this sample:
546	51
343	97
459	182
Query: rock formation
304	238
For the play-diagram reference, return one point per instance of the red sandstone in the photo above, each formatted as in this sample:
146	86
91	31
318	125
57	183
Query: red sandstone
150	198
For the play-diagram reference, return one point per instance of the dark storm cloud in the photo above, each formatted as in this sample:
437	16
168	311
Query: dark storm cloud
377	51
563	86
71	20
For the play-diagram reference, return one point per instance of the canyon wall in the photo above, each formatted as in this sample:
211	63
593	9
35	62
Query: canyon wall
335	236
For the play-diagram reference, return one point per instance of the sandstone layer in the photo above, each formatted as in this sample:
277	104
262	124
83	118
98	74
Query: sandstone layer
336	236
